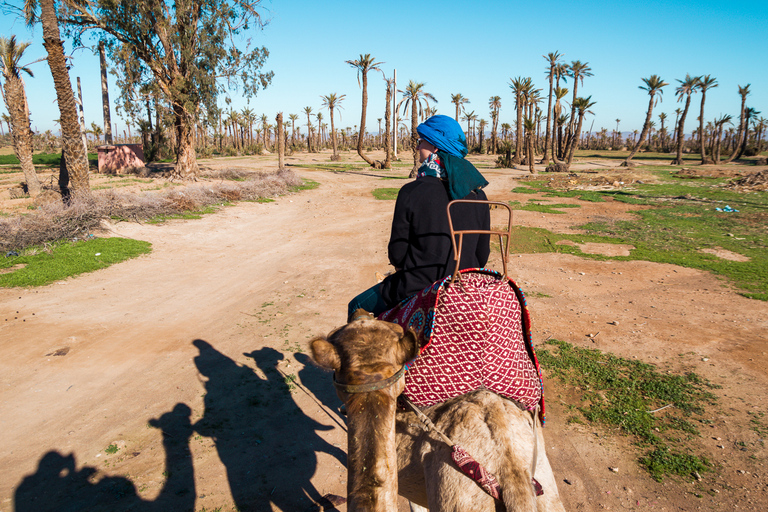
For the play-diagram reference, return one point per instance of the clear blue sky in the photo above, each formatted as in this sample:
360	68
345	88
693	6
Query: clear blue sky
457	47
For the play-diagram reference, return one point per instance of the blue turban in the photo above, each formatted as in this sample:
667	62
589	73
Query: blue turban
445	134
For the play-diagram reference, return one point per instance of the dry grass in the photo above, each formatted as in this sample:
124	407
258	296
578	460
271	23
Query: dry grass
55	221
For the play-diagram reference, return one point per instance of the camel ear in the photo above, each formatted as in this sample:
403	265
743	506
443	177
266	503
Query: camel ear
409	344
324	354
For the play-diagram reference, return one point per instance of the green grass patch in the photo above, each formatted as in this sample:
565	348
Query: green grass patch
111	449
188	215
37	266
47	159
307	185
538	206
681	222
385	194
623	394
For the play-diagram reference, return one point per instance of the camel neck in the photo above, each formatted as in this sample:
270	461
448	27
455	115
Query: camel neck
372	459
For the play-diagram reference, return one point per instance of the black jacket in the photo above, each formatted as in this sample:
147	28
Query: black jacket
420	244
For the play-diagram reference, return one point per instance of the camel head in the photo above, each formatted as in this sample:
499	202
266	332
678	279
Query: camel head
365	351
368	358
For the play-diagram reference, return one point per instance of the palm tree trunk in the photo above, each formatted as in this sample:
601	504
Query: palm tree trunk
333	138
547	139
681	133
72	142
643	133
361	133
281	141
414	136
387	135
519	133
15	102
105	95
577	133
702	135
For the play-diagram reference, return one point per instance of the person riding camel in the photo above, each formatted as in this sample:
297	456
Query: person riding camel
420	246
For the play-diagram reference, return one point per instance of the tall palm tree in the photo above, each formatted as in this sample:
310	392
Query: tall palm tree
530	127
738	148
459	100
469	117
16	102
418	99
308	111
578	71
760	125
332	101
364	64
653	85
494	103
662	131
293	118
687	87
718	134
553	58
557	115
582	108
519	86
705	82
75	166
319	141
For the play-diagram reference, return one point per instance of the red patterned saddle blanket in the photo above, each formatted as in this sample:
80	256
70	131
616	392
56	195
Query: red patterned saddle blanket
473	334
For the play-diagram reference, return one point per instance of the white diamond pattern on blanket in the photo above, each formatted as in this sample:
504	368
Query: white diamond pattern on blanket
472	337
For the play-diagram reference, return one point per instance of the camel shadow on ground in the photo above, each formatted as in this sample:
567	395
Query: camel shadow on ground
266	442
59	486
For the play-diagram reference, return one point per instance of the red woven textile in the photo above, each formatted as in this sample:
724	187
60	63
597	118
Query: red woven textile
473	334
476	472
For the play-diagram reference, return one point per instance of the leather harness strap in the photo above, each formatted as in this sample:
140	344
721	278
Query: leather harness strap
370	386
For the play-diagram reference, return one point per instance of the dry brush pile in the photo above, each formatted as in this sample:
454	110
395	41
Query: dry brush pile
55	221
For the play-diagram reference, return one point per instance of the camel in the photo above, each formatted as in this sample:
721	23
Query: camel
390	453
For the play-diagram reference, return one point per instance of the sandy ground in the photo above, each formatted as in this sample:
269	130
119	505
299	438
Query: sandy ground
191	361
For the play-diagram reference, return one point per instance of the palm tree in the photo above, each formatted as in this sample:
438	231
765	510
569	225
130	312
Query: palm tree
469	117
687	87
364	64
520	86
74	168
494	103
577	70
16	102
332	101
459	100
319	141
418	99
718	134
557	115
739	147
705	82
653	86
293	118
760	125
530	127
553	58
308	111
662	131
582	108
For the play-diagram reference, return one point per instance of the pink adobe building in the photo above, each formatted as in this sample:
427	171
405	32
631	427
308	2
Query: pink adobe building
114	158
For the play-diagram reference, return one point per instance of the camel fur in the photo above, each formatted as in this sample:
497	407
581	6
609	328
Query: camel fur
389	451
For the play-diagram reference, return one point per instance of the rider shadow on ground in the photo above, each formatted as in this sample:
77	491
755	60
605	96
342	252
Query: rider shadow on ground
265	441
59	486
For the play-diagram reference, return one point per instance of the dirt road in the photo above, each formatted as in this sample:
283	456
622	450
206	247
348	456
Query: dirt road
182	377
